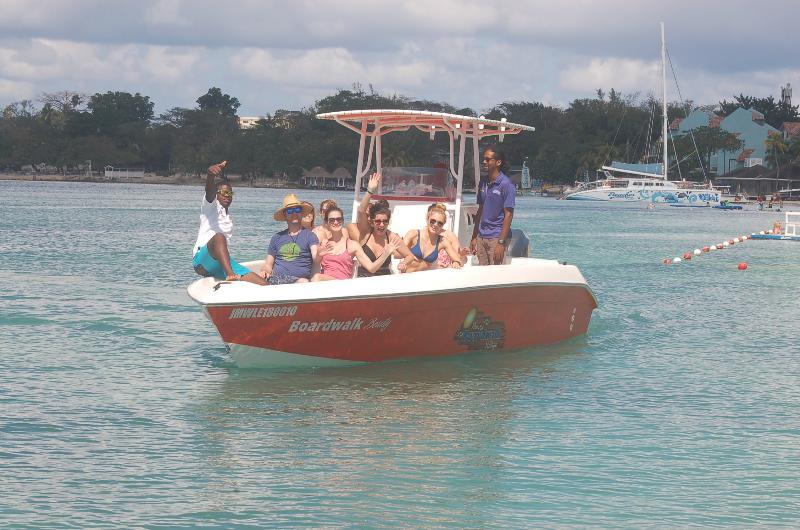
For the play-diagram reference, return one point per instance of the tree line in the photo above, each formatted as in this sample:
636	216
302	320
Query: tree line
67	129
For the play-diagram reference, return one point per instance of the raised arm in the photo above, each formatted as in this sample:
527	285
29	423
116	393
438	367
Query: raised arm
362	221
211	180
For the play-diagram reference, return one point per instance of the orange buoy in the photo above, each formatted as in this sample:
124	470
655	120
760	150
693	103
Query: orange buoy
731	242
687	255
667	261
706	249
742	266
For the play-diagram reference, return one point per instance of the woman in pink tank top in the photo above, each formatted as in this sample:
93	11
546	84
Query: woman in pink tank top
337	262
337	252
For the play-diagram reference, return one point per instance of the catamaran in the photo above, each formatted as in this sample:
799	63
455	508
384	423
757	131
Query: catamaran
522	303
646	182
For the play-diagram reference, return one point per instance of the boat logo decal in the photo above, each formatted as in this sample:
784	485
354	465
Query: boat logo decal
354	324
616	195
480	332
263	312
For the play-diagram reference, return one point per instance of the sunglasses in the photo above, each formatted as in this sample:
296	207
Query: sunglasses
293	209
434	222
335	220
381	221
226	193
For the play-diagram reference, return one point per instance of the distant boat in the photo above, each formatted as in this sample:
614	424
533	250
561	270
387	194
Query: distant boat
646	182
725	205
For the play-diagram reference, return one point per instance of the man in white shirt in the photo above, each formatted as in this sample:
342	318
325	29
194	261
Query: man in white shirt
211	256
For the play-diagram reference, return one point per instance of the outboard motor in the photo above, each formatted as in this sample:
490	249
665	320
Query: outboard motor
520	244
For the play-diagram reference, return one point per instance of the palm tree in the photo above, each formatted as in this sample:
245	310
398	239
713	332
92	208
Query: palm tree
775	146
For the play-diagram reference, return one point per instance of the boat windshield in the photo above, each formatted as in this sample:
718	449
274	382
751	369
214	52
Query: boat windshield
417	183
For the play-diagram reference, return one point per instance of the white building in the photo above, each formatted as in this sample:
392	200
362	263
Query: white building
248	122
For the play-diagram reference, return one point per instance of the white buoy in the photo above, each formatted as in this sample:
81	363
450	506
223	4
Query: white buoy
725	244
761	233
676	260
712	247
697	252
737	240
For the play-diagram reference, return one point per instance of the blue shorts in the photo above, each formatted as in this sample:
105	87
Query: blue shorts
282	279
212	266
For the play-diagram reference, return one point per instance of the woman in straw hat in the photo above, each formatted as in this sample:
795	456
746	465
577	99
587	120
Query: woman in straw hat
211	256
293	251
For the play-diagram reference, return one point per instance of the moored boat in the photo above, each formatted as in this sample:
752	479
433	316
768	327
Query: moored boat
621	182
522	303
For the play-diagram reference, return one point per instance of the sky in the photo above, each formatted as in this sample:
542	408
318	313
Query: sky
286	55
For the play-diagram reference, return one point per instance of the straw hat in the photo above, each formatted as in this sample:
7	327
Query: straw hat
289	201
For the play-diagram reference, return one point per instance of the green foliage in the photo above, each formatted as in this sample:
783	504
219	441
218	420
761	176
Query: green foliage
777	149
119	129
115	109
708	140
214	101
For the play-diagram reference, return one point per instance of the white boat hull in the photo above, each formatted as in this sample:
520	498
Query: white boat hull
686	197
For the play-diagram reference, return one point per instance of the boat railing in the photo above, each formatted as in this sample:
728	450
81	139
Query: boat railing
791	224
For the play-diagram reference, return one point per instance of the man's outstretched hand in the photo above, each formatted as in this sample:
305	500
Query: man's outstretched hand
216	169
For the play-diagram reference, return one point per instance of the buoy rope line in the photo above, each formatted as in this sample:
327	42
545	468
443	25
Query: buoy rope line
687	256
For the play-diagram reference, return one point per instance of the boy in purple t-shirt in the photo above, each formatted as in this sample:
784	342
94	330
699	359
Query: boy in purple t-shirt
496	196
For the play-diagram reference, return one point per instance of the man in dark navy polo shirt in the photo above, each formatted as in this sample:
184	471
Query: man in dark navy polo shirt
496	195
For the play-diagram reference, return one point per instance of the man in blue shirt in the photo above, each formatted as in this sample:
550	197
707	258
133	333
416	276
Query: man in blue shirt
496	195
291	252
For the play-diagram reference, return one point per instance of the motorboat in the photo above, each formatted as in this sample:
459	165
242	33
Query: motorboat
727	205
522	303
621	182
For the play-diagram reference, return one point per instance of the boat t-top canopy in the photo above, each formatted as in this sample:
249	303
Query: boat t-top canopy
374	123
383	120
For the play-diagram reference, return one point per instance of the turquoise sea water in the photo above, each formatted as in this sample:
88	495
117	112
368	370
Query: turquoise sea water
119	406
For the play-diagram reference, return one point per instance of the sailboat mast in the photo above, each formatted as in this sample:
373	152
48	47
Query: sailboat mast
664	97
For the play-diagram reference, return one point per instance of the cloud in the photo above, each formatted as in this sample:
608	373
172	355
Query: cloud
14	91
328	67
166	13
626	75
273	54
